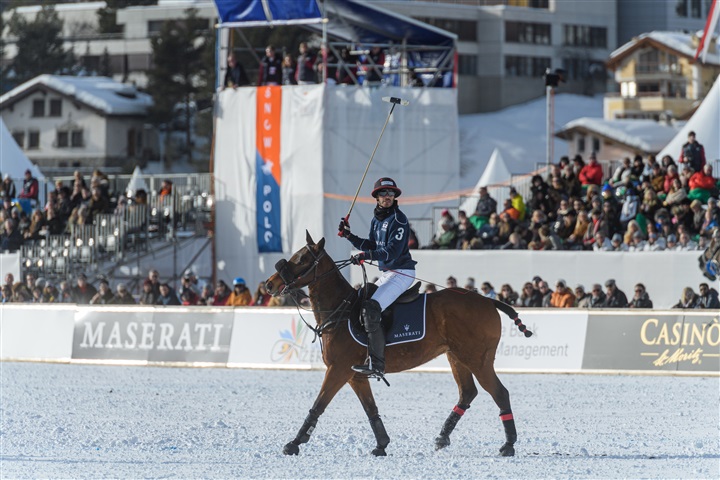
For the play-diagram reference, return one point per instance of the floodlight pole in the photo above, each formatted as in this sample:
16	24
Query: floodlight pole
550	104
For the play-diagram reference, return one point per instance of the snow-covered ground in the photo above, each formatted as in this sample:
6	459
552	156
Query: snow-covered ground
520	134
71	421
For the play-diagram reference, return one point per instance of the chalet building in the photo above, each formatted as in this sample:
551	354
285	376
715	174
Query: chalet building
658	78
64	122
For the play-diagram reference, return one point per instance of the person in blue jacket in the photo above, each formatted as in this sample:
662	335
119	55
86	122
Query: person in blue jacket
388	246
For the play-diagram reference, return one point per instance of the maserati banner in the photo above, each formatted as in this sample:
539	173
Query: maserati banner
152	335
267	128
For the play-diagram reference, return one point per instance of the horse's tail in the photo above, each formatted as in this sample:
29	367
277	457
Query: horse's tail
510	312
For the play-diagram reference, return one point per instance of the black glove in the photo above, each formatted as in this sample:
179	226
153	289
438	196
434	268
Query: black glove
344	228
358	259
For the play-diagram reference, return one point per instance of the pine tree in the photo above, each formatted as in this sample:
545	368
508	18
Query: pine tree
178	72
39	45
105	65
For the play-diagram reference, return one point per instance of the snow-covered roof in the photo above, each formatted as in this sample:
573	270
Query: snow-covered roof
101	93
680	42
645	135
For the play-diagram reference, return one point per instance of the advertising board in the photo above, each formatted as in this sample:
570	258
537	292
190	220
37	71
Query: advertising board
654	341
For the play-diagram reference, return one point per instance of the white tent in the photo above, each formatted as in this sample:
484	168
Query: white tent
705	122
136	183
496	172
13	160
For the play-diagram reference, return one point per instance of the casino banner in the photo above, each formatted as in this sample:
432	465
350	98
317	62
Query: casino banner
653	341
267	169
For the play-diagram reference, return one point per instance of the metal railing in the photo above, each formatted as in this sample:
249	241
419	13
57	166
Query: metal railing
111	237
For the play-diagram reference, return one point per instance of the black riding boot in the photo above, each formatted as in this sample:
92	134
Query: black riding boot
371	314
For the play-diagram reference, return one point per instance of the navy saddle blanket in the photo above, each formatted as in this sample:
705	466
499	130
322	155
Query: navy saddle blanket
407	325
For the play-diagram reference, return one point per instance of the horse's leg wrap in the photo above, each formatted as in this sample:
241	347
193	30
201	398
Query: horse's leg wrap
303	435
443	440
381	436
508	450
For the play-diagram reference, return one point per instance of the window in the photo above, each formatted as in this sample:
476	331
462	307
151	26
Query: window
62	139
681	8
584	36
38	108
33	139
523	32
519	3
466	30
19	138
696	9
648	62
516	66
581	143
76	138
55	107
69	138
583	69
154	27
596	144
648	87
467	64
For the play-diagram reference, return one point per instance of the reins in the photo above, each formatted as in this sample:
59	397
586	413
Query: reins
335	316
459	291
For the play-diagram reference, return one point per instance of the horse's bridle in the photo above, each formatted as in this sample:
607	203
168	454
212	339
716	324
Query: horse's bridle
335	315
281	267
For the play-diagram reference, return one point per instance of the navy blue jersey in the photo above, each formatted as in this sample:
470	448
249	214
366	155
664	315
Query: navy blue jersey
388	242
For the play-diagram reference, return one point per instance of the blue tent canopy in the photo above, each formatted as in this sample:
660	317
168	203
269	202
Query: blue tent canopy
348	20
234	13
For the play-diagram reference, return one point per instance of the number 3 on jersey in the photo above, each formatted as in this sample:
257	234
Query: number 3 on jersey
400	232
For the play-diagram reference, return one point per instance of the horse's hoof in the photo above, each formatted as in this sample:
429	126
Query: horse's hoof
291	449
442	441
507	450
379	452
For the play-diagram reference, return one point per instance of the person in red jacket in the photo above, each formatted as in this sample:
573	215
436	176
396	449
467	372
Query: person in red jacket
670	176
703	179
30	188
591	174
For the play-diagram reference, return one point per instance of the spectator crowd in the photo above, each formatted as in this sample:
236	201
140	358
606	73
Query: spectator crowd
154	292
23	218
645	205
538	294
371	67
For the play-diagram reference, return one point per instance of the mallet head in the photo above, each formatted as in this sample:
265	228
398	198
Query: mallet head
396	101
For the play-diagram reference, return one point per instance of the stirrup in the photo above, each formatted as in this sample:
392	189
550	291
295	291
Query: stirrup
366	369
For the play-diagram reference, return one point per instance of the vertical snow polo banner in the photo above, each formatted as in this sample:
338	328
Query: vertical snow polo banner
267	168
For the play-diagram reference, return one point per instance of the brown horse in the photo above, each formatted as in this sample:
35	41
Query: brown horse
462	324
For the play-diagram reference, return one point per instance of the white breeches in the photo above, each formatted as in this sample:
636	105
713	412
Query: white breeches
391	285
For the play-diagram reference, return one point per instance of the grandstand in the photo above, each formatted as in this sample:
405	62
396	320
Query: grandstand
130	236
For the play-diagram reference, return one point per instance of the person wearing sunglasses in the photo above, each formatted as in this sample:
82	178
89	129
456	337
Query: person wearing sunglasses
388	246
597	296
641	299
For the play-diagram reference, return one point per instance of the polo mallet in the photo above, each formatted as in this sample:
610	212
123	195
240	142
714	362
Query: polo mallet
394	101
